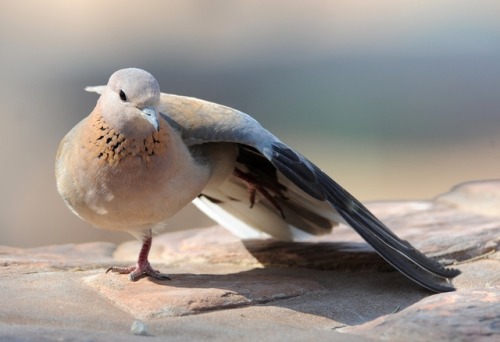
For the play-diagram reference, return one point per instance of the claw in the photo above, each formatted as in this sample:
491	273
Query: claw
139	271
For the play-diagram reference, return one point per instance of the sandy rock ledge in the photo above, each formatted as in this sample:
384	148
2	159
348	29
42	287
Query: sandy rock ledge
226	289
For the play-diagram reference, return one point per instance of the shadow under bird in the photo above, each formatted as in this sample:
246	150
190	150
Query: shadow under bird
142	155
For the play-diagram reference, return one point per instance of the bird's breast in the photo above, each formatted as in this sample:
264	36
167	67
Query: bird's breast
135	190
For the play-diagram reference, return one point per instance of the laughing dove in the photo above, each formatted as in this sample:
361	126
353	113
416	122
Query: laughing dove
142	155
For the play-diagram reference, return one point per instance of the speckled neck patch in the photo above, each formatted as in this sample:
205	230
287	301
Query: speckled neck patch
111	146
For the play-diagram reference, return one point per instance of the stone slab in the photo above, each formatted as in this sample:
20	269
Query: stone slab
331	287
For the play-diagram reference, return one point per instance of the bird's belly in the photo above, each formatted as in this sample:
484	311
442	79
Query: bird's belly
138	201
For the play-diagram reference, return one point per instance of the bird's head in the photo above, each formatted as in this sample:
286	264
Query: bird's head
130	101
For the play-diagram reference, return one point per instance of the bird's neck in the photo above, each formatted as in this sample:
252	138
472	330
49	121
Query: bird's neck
111	144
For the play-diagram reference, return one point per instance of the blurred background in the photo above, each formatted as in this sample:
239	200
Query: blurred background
393	99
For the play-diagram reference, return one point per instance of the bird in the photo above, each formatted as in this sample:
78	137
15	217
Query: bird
142	155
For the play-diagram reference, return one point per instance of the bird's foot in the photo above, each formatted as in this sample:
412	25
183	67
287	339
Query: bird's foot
138	271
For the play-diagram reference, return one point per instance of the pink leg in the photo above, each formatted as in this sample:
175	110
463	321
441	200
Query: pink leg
142	268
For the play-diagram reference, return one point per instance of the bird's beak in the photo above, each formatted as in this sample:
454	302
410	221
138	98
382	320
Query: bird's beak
151	116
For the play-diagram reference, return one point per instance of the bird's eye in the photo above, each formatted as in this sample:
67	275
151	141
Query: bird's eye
123	97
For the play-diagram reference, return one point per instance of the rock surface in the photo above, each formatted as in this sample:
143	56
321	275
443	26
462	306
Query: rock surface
224	289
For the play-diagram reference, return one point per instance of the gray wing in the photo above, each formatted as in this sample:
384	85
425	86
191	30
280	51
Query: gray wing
201	122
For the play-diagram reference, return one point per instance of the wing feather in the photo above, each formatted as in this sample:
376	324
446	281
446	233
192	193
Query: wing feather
200	121
399	253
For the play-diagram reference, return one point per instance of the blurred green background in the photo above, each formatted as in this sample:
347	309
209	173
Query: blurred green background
394	99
